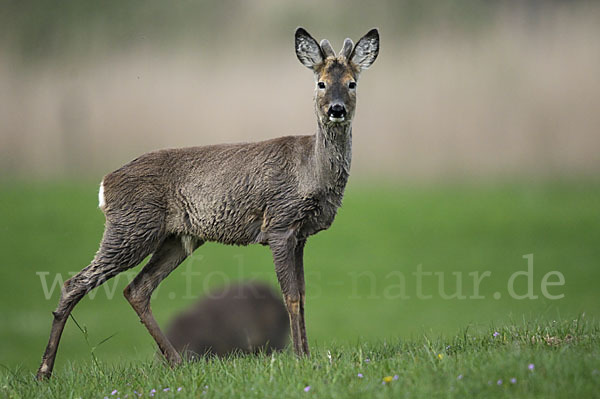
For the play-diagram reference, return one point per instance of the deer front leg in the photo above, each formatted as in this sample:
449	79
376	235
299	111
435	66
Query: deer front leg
299	259
283	247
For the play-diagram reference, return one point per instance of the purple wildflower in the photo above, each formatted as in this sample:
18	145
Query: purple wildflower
531	366
152	392
495	334
307	388
114	392
360	375
513	380
395	377
499	382
460	377
166	389
179	389
367	360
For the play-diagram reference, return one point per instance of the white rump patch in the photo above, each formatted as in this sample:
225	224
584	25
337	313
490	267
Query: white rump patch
101	201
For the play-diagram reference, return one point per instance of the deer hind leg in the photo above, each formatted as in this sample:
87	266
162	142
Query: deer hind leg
283	248
115	255
167	257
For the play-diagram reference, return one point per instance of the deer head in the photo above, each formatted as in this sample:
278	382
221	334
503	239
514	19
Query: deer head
336	76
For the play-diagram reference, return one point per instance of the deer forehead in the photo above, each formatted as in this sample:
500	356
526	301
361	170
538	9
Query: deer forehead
337	70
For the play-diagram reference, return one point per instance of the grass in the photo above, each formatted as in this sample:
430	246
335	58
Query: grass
553	360
363	298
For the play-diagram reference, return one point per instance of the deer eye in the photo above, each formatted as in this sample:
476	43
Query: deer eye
352	85
321	85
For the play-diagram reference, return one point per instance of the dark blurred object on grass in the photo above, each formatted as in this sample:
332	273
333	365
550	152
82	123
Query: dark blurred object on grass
246	318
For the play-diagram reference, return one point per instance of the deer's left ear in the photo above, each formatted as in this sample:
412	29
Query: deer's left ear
366	50
308	50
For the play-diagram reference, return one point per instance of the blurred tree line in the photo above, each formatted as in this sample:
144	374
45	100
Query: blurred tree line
37	29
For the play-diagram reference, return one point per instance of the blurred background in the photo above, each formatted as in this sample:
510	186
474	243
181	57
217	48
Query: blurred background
476	142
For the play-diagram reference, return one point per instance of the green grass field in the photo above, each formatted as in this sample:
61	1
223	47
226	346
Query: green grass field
365	297
511	362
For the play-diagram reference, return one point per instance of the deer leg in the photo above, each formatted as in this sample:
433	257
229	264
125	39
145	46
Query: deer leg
283	248
299	263
111	259
73	290
168	256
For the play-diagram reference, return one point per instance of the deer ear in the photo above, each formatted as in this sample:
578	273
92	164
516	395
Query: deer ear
366	50
307	49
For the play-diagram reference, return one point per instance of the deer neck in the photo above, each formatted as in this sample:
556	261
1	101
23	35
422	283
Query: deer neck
333	155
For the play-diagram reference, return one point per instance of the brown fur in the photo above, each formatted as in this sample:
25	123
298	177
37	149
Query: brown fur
276	192
244	318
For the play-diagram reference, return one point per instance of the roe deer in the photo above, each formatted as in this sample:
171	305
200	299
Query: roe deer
276	192
246	318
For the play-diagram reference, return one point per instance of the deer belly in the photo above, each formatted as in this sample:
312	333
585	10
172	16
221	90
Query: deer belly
226	225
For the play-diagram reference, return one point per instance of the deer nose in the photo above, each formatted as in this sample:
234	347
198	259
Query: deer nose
337	110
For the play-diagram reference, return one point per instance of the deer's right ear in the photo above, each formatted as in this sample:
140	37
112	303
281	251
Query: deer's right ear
308	50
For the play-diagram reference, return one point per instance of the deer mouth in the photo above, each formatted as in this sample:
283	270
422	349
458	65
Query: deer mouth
337	112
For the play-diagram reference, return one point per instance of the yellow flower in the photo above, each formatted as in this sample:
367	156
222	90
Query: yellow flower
387	379
440	356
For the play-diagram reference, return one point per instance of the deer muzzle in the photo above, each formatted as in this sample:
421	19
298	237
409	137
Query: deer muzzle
337	112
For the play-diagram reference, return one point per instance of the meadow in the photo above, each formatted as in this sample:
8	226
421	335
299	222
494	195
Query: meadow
455	288
464	261
515	361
